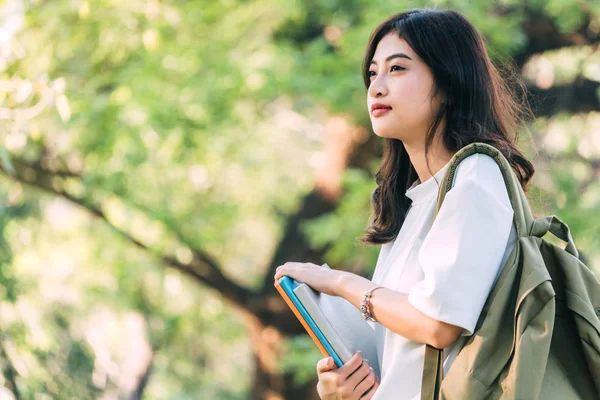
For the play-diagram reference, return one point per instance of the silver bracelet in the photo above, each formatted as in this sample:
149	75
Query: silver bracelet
364	304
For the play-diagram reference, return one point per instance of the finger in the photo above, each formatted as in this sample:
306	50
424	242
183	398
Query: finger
371	391
358	376
325	364
351	365
281	267
366	383
280	272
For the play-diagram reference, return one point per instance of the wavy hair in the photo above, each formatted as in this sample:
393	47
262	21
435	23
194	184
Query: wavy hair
480	106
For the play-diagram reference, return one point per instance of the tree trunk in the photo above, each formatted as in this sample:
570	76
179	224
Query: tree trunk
268	382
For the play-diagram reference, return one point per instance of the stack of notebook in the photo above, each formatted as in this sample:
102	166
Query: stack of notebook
334	324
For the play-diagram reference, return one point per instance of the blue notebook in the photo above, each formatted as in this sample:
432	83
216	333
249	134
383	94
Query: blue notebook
288	285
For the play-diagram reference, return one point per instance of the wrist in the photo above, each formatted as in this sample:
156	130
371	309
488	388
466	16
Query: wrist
341	283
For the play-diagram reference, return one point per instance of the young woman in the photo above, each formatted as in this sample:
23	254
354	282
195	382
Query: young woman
431	90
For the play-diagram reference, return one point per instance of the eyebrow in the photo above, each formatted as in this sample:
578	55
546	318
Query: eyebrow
397	55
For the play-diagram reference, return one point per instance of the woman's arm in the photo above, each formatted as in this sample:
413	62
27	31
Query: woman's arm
393	310
460	258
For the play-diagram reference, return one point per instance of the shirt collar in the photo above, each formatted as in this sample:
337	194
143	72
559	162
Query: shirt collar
419	192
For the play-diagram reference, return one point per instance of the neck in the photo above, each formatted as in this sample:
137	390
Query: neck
438	155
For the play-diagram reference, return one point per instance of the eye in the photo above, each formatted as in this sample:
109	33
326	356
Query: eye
399	67
371	74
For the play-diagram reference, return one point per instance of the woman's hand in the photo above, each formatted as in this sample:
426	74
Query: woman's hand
351	381
321	279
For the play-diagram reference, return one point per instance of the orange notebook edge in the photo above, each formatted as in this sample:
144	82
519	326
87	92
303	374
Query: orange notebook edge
301	319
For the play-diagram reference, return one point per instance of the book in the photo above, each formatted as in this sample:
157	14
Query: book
334	324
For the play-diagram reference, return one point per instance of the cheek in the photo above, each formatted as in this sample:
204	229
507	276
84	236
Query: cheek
411	97
410	91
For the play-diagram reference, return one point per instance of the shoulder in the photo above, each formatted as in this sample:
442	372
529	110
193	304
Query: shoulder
478	166
481	171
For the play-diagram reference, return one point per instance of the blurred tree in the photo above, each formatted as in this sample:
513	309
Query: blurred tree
216	141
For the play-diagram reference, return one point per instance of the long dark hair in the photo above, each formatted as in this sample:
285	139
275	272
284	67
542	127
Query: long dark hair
480	106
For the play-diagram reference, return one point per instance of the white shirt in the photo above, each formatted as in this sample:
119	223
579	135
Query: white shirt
447	269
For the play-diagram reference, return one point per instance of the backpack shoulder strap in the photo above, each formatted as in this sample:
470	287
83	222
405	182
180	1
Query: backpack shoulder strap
523	221
523	217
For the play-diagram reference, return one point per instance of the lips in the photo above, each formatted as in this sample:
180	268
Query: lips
376	106
379	109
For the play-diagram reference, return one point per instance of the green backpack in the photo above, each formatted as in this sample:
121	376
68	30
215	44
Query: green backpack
538	335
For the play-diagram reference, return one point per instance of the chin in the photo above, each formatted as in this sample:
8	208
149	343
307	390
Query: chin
384	131
382	135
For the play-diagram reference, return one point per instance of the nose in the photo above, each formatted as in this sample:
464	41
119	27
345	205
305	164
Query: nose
378	88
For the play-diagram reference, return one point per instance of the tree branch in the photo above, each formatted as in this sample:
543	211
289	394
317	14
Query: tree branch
577	97
9	372
544	35
202	267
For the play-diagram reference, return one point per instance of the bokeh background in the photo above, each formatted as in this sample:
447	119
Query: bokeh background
159	159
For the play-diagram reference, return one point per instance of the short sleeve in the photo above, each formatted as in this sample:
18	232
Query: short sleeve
462	252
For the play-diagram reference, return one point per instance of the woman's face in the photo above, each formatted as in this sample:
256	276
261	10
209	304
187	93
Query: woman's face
402	83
